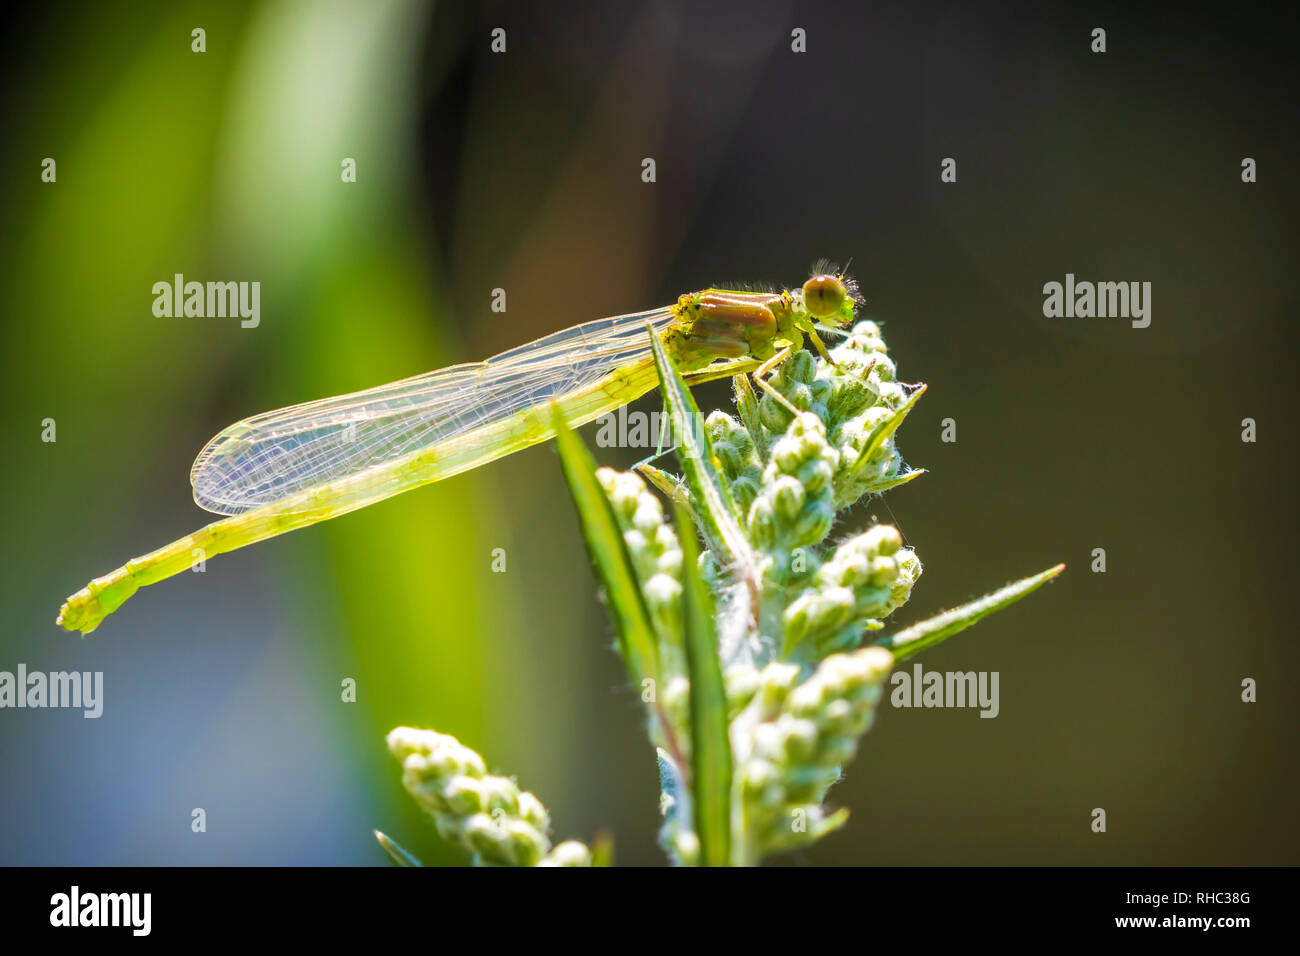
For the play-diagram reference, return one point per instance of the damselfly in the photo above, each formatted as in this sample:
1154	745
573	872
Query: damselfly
293	467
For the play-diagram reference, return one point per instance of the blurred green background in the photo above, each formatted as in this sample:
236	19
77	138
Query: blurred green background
522	171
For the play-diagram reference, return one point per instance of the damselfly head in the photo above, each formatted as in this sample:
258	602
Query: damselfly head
830	297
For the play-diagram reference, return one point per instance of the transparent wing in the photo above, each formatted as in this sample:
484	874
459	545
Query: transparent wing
271	456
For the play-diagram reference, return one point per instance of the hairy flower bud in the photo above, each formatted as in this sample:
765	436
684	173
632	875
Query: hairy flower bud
488	815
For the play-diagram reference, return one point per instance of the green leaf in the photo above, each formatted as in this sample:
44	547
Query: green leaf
831	823
602	849
900	480
885	430
670	486
747	408
397	854
714	507
710	746
609	555
918	637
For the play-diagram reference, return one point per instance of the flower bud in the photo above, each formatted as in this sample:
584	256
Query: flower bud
568	853
788	497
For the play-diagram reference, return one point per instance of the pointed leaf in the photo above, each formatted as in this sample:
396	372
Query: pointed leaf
710	746
900	480
672	487
831	823
397	854
918	637
885	430
602	849
609	555
747	407
716	511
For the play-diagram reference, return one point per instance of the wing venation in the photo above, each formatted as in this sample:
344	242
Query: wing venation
272	456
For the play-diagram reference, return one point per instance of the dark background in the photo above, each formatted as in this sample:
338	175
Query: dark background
522	171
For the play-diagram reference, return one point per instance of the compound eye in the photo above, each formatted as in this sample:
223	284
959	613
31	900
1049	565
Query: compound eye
824	296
